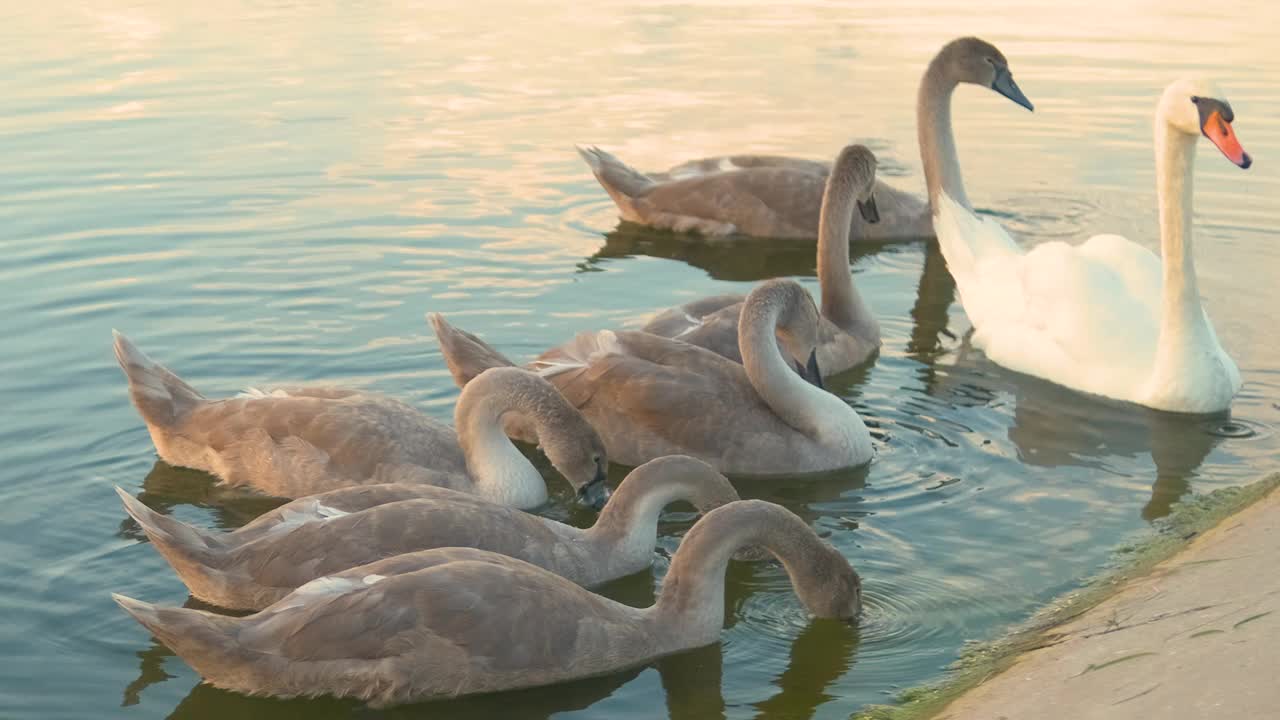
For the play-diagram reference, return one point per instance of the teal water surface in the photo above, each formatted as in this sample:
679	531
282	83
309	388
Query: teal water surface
278	191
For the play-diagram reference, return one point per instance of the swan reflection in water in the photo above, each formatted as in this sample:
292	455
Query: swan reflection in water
690	683
1051	425
733	258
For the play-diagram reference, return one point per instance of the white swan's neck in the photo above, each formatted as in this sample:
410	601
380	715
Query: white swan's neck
937	141
499	471
841	302
1182	320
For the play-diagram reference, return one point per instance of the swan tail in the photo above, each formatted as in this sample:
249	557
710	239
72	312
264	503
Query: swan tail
192	553
623	183
206	641
466	355
162	398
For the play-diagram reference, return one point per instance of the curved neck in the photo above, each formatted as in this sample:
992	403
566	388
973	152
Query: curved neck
841	303
1181	317
784	391
937	142
691	601
500	472
627	528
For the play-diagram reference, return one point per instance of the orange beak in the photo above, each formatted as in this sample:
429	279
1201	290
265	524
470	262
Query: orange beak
1220	133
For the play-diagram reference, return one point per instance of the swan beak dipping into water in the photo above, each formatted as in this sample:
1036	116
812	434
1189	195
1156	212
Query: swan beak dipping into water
1216	117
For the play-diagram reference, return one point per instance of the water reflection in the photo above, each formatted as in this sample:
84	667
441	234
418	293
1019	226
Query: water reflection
166	487
1052	426
825	495
1055	427
734	258
150	672
822	654
935	292
206	701
691	681
691	685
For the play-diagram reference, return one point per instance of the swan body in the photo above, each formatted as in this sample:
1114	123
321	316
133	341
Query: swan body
297	441
849	333
250	568
458	621
761	196
650	396
781	197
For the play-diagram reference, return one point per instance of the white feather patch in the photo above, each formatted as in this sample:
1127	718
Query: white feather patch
694	324
330	586
327	512
256	393
302	513
547	369
607	342
579	352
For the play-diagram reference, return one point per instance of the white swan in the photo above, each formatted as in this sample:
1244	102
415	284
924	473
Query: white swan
1107	317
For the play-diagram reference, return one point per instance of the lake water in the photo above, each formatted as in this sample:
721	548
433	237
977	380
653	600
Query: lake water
278	191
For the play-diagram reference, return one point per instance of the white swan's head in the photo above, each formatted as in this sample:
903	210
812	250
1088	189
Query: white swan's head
1198	106
974	60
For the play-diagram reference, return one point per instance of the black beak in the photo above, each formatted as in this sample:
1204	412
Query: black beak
868	210
810	372
595	493
1005	85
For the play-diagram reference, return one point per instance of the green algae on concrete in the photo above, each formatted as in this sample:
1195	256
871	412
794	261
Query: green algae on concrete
980	661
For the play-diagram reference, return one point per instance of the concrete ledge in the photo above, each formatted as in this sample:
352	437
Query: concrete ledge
1185	627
